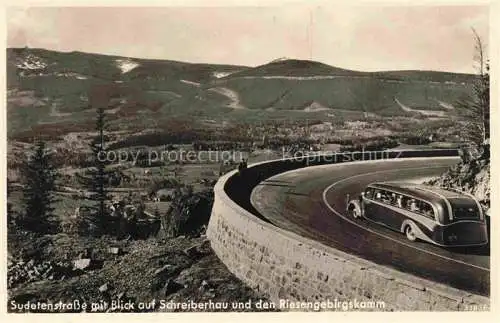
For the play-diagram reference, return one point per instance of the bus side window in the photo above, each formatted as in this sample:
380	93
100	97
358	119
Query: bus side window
393	199
414	206
378	195
406	202
399	201
426	210
386	198
369	192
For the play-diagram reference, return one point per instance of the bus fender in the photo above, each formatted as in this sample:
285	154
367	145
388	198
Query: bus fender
354	205
420	235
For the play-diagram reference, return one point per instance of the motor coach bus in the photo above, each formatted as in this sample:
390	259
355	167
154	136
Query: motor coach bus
439	216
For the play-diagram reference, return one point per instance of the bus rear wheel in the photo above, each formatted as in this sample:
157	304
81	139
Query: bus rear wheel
410	233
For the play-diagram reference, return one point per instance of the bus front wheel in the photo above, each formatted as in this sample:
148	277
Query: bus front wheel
410	233
354	209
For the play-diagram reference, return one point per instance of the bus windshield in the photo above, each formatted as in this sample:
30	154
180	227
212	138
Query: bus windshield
464	208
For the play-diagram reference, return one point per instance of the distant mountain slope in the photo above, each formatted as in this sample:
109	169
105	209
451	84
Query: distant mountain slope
147	88
108	66
43	84
346	93
290	84
426	76
294	67
306	68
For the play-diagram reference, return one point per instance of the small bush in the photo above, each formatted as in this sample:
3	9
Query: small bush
369	145
83	226
415	140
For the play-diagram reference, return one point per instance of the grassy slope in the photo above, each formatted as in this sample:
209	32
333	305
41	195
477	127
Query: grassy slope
153	89
350	90
156	90
360	94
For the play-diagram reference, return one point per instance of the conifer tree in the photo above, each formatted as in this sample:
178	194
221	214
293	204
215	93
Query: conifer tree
99	174
39	175
477	105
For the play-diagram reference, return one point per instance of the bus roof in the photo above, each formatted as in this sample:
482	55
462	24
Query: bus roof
420	191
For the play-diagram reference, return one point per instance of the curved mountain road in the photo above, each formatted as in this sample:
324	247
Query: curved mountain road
311	202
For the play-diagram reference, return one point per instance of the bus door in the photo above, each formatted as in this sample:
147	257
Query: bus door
367	203
377	210
386	211
395	215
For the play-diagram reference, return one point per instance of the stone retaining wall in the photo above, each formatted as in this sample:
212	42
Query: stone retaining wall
286	266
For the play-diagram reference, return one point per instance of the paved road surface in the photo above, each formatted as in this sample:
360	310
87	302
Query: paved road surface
311	202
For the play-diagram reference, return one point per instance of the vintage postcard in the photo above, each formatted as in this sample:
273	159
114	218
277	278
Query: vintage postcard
281	157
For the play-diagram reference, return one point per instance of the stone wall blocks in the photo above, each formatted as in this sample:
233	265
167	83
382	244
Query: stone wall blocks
284	265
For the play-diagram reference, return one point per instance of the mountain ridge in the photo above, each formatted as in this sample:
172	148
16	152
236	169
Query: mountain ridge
284	61
44	83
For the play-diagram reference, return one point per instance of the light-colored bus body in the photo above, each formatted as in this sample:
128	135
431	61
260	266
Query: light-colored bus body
439	216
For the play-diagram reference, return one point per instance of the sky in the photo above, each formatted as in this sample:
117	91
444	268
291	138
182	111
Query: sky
362	37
